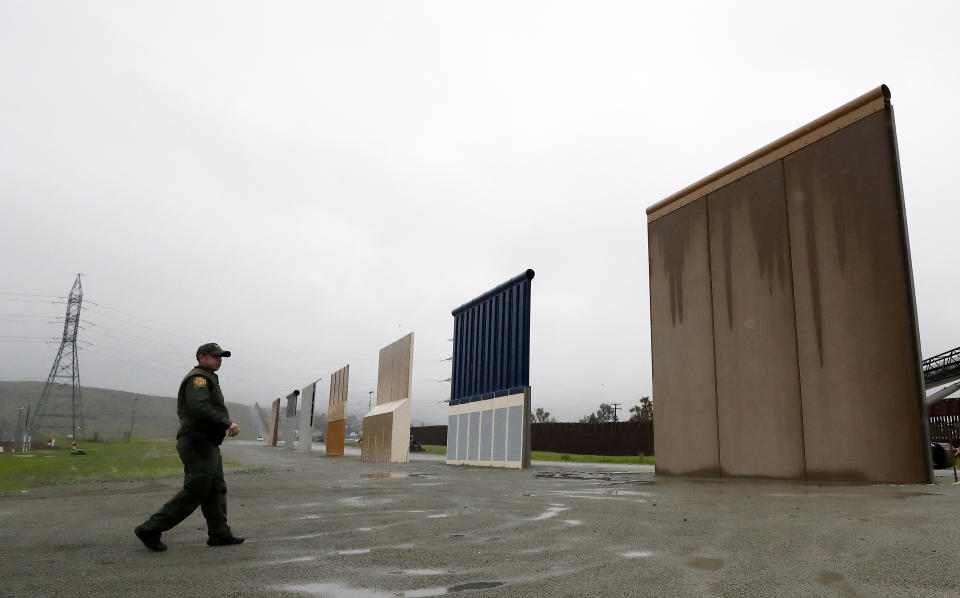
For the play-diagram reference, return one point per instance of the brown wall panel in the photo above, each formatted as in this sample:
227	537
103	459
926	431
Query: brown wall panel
336	434
758	386
682	331
274	423
858	354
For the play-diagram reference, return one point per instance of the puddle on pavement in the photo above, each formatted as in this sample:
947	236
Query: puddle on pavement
361	501
637	554
884	494
396	474
299	559
705	564
616	477
550	512
305	505
334	590
602	492
442	591
337	590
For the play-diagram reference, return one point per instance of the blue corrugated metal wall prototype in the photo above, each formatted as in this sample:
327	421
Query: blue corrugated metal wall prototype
491	343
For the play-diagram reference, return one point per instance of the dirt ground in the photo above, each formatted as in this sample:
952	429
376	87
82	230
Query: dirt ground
318	526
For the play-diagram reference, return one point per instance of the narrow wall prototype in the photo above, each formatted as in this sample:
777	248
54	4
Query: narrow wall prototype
386	428
783	318
337	412
488	420
305	418
274	432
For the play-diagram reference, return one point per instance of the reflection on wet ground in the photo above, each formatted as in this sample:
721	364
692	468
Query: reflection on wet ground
550	512
616	477
380	475
336	590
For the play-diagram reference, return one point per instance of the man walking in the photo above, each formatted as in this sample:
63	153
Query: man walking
204	422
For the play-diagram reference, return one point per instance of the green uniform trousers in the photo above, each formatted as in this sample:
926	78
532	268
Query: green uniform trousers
203	486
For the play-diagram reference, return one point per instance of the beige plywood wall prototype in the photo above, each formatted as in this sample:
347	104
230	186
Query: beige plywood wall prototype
386	433
274	423
394	375
337	411
783	317
389	422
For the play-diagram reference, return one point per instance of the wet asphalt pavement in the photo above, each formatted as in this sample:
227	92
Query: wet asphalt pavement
318	526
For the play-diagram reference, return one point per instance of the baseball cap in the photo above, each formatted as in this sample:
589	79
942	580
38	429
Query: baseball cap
212	349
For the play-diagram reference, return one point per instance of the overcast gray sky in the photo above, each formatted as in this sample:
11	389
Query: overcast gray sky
305	182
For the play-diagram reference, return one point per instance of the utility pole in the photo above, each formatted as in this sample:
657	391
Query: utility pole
60	398
21	425
132	415
369	400
616	407
25	434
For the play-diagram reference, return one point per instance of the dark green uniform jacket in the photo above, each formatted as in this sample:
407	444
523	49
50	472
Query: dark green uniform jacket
200	407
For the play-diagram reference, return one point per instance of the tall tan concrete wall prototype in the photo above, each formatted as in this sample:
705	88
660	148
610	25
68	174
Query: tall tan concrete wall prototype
337	411
855	307
755	342
682	329
782	312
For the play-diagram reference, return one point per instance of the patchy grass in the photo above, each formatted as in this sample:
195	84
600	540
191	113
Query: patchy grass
433	449
139	459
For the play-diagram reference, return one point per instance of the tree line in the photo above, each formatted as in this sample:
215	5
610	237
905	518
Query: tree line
643	412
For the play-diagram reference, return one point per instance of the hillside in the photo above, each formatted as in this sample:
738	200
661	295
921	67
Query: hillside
107	413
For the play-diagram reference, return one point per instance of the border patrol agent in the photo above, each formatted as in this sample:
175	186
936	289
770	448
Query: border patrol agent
204	422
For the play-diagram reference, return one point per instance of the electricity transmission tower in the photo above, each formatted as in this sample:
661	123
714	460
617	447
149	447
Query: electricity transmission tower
59	405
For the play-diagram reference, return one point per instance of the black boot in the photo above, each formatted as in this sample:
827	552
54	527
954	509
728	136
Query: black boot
150	539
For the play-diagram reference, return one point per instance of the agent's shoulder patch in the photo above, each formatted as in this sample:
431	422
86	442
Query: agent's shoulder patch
200	382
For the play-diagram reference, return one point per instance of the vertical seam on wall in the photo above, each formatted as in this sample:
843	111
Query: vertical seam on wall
796	331
713	332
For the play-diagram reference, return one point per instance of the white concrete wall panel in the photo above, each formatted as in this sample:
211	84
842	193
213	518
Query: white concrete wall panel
493	433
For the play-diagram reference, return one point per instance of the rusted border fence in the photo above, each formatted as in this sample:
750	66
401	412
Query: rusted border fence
945	421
